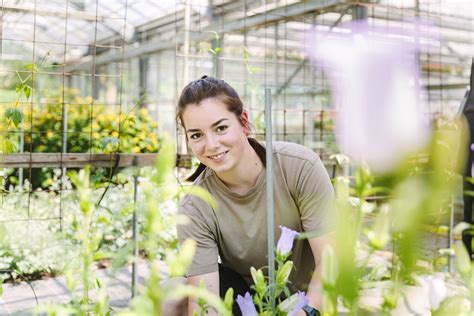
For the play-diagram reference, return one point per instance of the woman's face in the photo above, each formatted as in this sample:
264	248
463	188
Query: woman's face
215	135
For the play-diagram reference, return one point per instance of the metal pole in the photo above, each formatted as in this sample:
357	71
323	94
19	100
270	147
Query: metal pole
135	229
270	211
64	170
22	145
450	237
187	26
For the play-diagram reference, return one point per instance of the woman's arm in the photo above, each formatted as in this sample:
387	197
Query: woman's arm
315	290
211	281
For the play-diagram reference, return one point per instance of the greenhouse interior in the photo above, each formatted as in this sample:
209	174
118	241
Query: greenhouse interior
135	178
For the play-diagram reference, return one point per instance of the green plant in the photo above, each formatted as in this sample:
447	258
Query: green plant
159	187
418	195
274	298
91	127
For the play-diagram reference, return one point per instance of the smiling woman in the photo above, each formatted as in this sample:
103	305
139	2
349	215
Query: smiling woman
219	140
232	168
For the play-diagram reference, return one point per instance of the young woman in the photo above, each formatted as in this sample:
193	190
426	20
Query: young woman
232	169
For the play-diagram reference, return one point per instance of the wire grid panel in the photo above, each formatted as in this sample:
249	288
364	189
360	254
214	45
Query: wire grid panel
85	58
61	111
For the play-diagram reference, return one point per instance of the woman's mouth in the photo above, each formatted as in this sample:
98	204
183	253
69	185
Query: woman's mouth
218	157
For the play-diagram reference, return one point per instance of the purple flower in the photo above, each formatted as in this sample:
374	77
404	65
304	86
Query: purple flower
293	304
301	302
472	147
374	76
285	243
246	305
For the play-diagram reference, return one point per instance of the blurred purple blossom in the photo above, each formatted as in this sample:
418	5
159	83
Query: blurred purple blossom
285	243
246	305
301	302
374	77
472	147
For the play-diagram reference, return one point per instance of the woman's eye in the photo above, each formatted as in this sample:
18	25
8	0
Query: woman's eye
221	128
195	136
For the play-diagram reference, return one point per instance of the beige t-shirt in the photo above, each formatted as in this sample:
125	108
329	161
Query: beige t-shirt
237	230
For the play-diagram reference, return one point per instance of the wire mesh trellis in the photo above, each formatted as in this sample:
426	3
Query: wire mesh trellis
115	52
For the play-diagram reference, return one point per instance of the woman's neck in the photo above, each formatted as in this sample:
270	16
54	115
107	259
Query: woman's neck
244	176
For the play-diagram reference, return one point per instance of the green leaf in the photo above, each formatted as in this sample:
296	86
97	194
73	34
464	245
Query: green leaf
122	256
113	141
14	115
165	162
453	305
202	194
283	273
330	267
468	193
99	283
32	66
178	264
201	293
7	146
375	190
100	255
379	235
463	263
27	91
259	281
469	179
229	298
3	234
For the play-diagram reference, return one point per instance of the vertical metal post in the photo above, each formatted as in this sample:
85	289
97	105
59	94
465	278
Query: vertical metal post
359	12
217	44
187	26
22	145
270	211
135	228
65	149
143	66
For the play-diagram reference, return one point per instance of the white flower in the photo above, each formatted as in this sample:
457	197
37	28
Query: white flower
436	289
374	81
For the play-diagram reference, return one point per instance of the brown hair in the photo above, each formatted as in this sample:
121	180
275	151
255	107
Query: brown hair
208	87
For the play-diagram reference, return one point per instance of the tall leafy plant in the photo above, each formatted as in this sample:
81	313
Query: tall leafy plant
158	188
420	195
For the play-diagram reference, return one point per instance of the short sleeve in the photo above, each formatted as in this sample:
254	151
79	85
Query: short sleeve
197	229
316	199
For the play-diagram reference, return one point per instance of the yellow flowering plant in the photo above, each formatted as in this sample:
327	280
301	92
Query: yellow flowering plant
91	127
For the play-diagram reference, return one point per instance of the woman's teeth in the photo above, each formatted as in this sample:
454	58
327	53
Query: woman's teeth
218	155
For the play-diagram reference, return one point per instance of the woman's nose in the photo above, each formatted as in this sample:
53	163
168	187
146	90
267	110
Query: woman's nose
212	141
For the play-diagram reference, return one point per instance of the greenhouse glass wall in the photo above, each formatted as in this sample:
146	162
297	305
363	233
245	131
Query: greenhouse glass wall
95	84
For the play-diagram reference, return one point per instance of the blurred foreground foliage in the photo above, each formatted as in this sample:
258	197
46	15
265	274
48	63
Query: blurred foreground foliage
379	243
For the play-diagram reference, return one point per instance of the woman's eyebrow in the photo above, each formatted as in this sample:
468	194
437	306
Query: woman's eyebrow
192	130
218	122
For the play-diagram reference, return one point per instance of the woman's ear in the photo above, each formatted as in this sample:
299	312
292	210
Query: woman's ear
244	120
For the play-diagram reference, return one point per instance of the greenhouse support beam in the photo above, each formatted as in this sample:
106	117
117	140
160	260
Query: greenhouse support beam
56	13
291	77
135	229
269	17
72	160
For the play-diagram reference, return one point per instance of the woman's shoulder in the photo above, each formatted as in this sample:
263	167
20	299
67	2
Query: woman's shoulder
294	151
